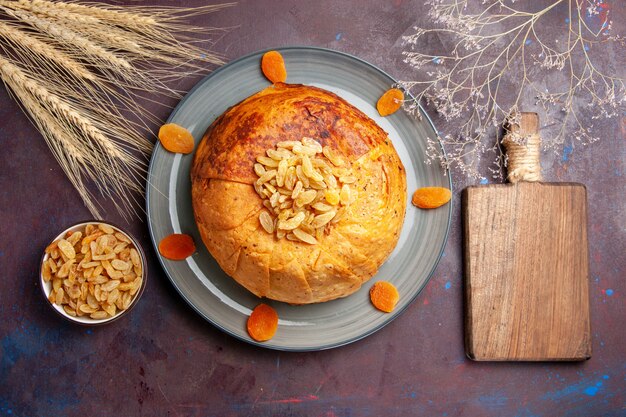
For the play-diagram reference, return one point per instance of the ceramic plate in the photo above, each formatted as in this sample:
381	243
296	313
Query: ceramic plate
217	297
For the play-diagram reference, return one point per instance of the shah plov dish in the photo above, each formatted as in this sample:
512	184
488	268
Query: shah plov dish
297	194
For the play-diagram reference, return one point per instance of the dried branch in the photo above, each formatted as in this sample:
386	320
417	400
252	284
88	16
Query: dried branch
500	44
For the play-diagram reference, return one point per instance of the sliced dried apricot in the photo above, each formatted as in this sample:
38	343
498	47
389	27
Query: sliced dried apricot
177	246
384	296
176	138
273	67
262	323
390	102
431	197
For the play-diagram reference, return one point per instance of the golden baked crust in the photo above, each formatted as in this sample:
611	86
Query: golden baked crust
226	206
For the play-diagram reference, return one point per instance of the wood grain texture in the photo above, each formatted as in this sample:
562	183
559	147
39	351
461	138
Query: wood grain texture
526	270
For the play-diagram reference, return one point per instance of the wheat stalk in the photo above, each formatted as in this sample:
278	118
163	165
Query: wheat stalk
39	55
29	44
77	69
111	14
47	59
76	133
153	25
60	32
15	77
51	9
70	155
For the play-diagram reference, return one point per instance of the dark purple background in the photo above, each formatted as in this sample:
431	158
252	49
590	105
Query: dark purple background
164	360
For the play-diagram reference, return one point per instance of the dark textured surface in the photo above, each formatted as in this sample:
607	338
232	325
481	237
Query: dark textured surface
164	360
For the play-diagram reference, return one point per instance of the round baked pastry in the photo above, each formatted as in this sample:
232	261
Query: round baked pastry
298	195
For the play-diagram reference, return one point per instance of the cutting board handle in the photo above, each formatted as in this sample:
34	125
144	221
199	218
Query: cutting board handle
523	147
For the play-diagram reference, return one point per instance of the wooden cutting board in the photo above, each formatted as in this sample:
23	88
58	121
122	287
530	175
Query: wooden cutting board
526	268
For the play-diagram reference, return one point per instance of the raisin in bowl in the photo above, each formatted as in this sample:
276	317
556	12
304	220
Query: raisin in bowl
93	273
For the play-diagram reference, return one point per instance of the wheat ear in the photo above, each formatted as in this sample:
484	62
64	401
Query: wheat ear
29	44
63	34
50	9
109	14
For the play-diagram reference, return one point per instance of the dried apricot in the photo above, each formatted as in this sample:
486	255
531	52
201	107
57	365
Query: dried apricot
177	246
176	138
390	102
384	296
431	197
262	323
273	67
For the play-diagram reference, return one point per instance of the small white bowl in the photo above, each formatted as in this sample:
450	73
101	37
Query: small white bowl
86	320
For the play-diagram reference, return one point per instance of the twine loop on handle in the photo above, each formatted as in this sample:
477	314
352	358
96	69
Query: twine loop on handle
523	149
